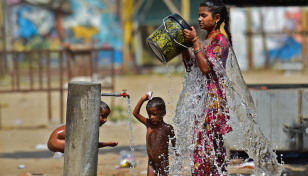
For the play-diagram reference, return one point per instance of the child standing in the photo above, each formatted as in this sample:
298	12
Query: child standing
56	141
158	135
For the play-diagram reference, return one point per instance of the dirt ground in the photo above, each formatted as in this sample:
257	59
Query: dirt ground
25	124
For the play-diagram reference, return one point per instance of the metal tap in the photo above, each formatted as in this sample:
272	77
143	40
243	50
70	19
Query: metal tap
117	94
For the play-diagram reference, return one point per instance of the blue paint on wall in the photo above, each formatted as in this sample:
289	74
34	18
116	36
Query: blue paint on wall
27	28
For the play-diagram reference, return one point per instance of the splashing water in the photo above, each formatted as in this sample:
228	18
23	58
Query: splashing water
170	91
256	145
171	111
198	102
130	125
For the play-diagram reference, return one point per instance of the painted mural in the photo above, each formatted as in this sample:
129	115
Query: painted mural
87	23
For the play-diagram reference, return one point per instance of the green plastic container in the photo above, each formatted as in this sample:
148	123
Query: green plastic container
168	40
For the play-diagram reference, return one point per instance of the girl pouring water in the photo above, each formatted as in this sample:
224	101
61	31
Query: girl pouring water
210	151
214	92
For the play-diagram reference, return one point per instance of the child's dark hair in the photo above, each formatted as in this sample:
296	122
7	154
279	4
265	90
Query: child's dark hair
104	106
156	102
218	7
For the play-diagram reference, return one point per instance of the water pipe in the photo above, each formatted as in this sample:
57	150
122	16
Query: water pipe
117	94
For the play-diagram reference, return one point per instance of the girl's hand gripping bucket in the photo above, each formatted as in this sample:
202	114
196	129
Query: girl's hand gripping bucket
168	40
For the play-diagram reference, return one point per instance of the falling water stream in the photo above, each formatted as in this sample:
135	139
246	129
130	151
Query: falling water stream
255	144
130	125
190	116
170	111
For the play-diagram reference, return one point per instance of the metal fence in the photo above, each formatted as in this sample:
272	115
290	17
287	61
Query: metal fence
46	71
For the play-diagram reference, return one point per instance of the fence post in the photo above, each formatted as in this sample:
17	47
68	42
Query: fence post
82	129
249	39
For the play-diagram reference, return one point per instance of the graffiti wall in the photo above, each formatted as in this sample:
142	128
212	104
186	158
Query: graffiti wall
90	23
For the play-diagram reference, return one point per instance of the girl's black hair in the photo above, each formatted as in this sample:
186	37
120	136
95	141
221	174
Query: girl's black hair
104	106
156	102
218	7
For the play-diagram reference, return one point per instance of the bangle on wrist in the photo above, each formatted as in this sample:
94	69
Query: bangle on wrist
197	50
192	41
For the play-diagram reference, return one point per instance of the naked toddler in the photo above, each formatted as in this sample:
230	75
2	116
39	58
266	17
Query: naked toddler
56	141
158	135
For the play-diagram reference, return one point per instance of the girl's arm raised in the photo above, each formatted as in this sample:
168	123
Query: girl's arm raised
200	58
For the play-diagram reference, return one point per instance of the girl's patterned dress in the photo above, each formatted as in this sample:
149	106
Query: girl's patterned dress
209	153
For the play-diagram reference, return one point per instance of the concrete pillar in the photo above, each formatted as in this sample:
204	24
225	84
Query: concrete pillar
82	129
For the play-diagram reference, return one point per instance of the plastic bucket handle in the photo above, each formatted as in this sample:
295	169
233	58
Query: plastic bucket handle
171	35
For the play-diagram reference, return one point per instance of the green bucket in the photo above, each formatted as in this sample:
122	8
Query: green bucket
168	40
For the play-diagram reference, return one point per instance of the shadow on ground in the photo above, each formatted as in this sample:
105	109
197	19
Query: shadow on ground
48	154
28	155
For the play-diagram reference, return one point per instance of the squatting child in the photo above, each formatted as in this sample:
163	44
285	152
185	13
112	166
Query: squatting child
158	135
56	141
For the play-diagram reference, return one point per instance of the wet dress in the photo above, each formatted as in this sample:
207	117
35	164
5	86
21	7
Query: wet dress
209	152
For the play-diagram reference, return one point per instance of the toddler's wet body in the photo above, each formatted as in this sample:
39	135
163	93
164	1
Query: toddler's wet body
158	135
